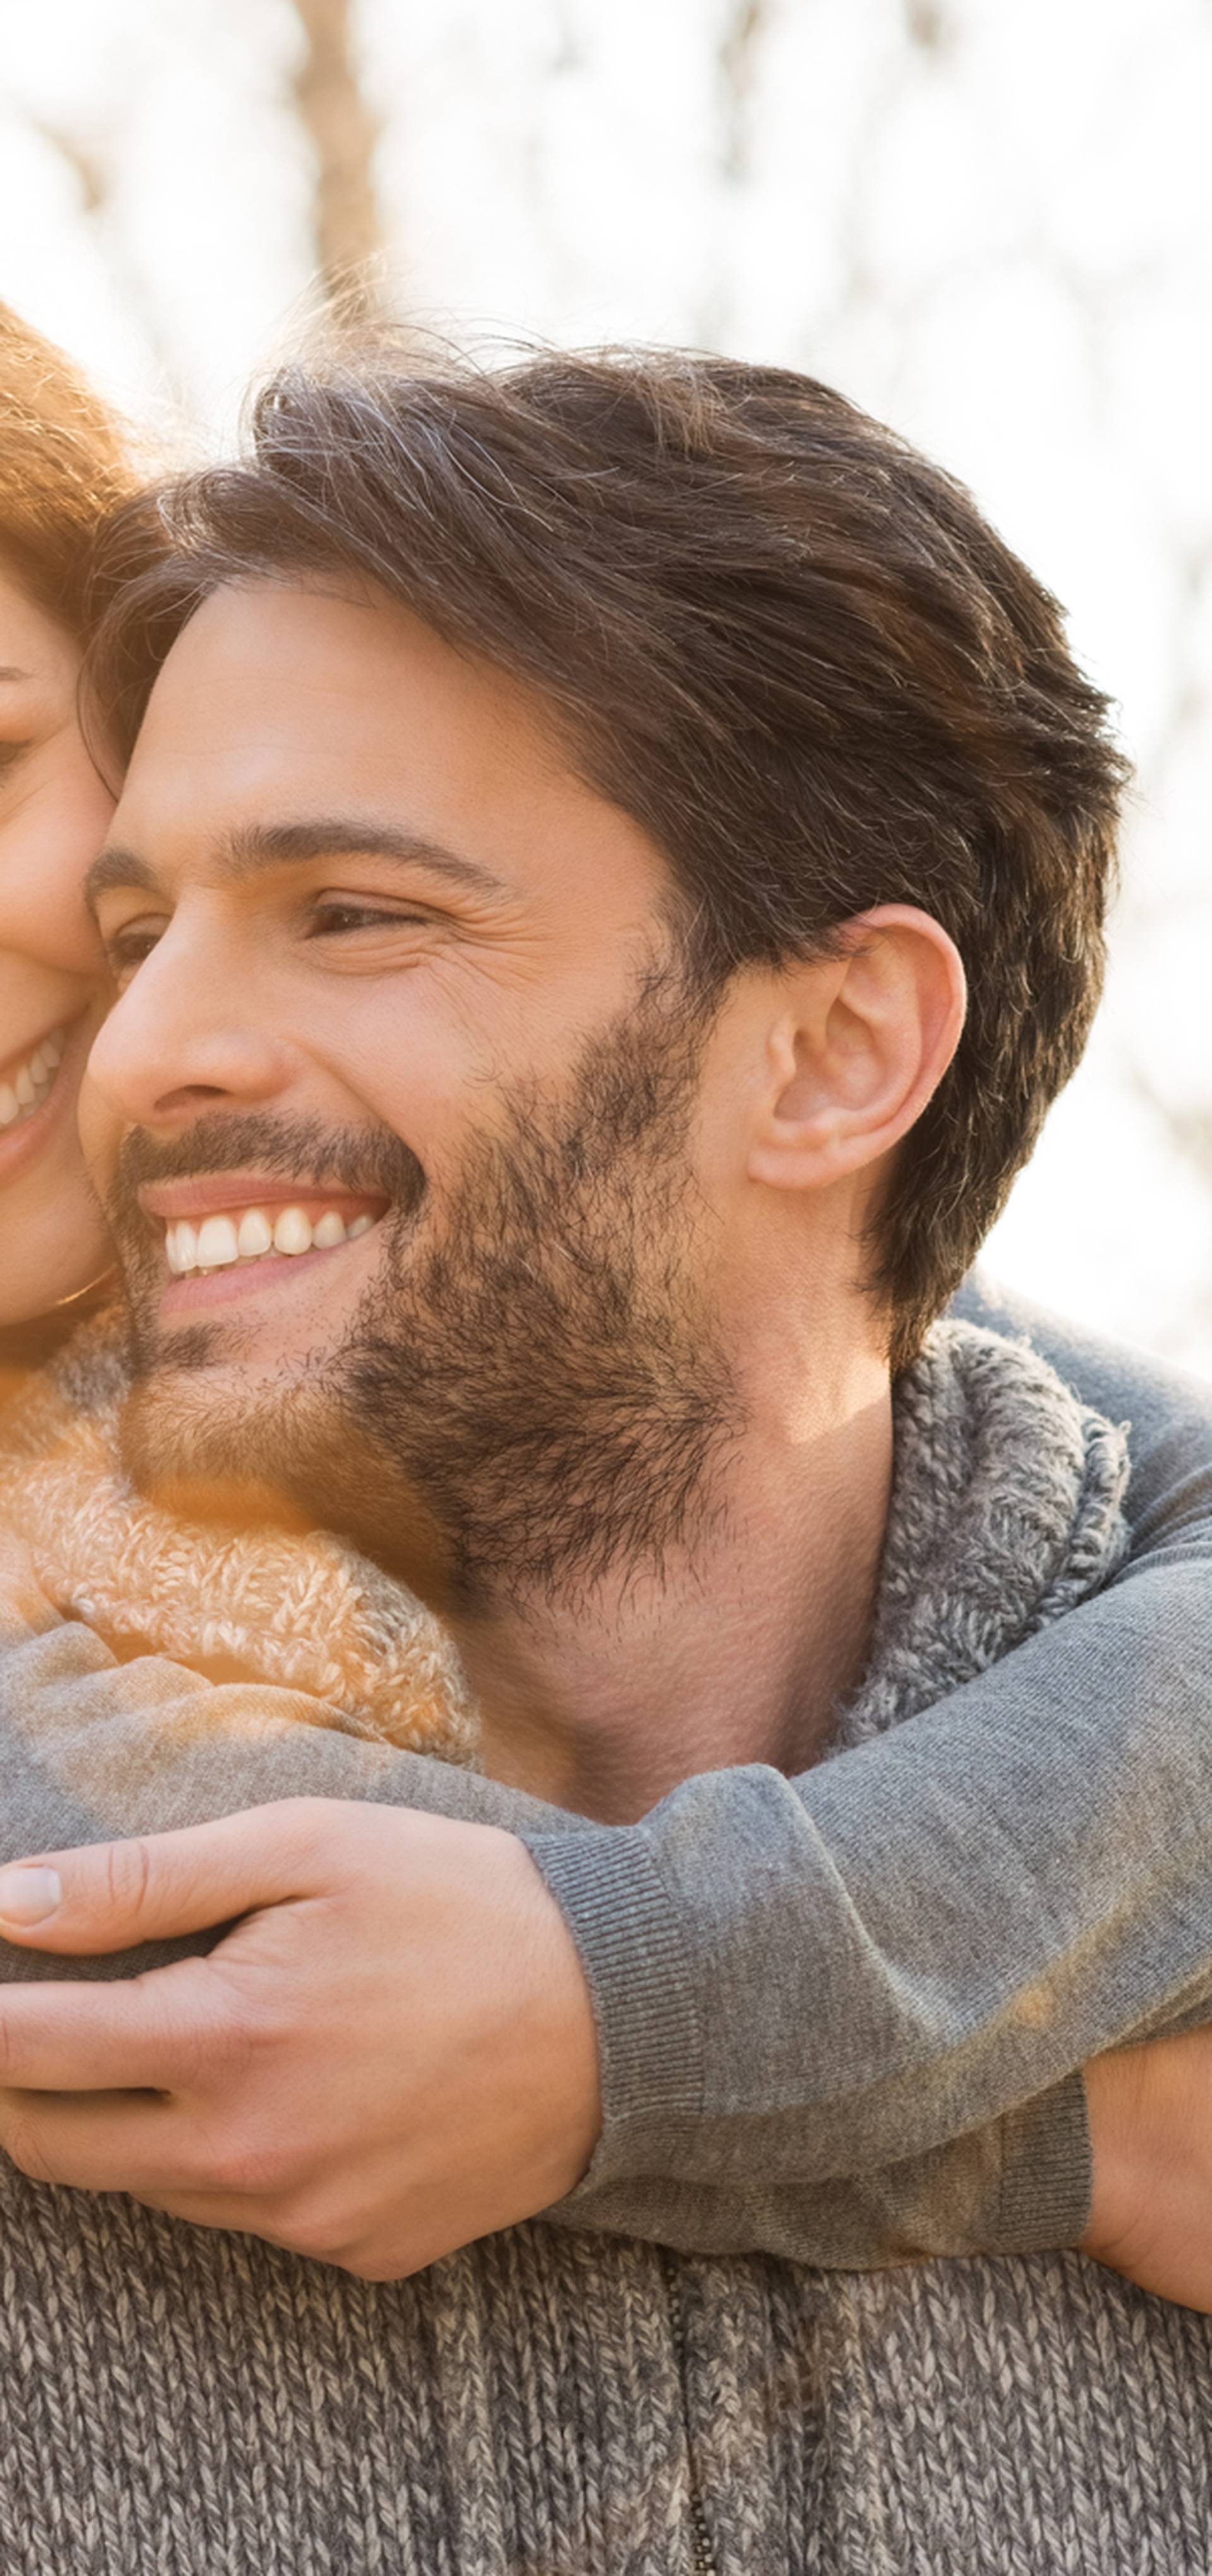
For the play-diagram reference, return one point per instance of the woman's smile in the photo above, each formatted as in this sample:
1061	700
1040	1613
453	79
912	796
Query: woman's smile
39	1085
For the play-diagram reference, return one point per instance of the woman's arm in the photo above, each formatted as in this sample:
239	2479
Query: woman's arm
910	1944
809	1995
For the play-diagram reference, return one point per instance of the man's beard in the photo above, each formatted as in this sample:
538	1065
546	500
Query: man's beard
532	1394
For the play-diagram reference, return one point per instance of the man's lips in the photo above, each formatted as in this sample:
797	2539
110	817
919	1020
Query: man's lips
243	1280
249	1228
213	1194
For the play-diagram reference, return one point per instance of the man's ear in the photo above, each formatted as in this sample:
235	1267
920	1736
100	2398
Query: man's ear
864	1040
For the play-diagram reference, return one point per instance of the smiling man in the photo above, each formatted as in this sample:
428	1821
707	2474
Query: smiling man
610	877
467	1037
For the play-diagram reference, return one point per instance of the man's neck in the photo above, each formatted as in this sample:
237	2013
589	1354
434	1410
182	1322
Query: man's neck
738	1652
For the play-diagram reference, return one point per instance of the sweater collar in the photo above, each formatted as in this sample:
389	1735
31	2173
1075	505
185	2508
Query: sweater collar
1005	1512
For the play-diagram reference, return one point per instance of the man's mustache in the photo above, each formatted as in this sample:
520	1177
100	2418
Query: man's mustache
300	1150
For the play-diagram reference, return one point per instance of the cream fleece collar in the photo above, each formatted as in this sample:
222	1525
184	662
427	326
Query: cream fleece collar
1005	1512
307	1613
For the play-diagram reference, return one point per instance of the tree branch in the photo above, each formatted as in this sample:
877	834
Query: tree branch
744	29
347	226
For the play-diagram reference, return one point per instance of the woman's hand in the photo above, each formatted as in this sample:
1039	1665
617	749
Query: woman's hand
1151	2132
390	2054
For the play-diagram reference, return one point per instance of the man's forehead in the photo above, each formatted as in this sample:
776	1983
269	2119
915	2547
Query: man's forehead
354	660
274	691
268	656
281	708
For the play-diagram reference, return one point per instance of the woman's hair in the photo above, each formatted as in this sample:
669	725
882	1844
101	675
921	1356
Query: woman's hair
65	463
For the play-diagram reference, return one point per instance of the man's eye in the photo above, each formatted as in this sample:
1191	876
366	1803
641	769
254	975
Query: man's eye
128	949
334	919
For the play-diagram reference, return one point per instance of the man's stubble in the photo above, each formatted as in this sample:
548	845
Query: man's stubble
532	1395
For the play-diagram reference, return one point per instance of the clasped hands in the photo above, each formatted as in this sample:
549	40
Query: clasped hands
389	2054
391	2051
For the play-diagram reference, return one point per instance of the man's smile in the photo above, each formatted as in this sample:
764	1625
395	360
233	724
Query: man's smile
227	1234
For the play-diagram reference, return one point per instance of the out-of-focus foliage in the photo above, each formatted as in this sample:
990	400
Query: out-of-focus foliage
991	224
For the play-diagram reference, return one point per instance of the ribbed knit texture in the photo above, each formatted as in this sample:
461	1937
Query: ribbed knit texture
548	2404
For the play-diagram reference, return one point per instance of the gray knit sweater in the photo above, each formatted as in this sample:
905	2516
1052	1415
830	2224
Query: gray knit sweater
552	2404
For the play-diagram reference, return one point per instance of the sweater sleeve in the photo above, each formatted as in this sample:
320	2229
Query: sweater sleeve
92	1748
845	2015
841	2018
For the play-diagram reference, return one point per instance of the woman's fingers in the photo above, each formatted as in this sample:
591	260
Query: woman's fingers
167	2030
110	1896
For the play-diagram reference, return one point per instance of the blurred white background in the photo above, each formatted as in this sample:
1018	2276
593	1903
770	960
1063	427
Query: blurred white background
992	224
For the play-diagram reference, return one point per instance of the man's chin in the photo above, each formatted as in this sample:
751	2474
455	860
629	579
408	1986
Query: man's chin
204	1450
239	1450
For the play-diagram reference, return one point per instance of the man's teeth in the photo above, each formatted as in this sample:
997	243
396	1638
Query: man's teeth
251	1236
32	1081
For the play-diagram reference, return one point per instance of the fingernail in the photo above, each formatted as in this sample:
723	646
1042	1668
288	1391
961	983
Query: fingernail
27	1895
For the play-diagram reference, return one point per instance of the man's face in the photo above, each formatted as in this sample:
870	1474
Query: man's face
394	1117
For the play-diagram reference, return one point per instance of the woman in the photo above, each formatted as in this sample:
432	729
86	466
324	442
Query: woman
64	464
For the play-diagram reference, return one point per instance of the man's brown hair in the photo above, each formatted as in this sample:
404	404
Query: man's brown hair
65	465
769	630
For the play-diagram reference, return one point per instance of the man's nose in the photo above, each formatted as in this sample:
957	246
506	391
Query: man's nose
188	1036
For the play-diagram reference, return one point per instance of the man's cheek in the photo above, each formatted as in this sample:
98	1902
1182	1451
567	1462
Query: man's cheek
100	1136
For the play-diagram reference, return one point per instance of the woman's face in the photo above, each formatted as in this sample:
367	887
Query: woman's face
54	811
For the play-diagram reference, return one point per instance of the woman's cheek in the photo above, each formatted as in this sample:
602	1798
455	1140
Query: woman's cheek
69	838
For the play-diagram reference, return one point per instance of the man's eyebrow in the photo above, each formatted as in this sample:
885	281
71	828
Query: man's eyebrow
281	845
276	845
118	867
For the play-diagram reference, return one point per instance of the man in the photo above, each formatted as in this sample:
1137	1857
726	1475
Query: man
537	1065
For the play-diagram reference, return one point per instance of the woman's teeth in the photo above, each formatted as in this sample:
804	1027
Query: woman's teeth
253	1235
32	1081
